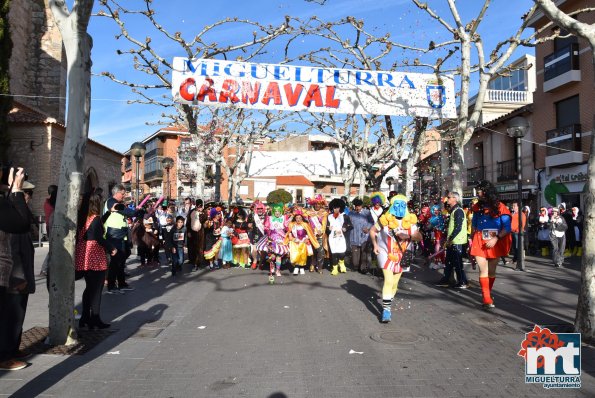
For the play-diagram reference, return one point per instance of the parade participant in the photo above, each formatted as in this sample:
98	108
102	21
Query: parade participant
456	238
426	230
491	237
317	217
360	235
300	240
273	241
391	236
469	218
212	230
240	240
226	251
256	232
337	227
437	224
178	242
195	219
378	200
167	232
558	228
514	228
543	232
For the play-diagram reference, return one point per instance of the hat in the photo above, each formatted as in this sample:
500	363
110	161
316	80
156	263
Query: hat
562	205
27	186
318	199
555	209
148	220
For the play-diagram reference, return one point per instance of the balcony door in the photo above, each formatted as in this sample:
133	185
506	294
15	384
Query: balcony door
567	112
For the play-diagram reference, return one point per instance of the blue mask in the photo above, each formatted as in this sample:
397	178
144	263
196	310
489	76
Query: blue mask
398	208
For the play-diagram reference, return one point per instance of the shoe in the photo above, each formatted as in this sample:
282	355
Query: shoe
127	288
114	291
386	315
302	272
311	268
296	271
442	283
335	270
278	273
13	364
342	268
96	322
462	286
488	306
253	266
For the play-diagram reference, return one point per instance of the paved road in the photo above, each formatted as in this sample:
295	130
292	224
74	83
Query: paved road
228	333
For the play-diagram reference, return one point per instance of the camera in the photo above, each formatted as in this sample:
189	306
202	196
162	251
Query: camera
6	173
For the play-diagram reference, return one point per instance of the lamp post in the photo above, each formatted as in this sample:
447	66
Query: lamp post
138	150
390	181
167	163
516	128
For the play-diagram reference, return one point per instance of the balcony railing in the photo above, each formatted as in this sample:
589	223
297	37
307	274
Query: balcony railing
507	170
153	153
154	175
508	96
563	139
475	175
560	62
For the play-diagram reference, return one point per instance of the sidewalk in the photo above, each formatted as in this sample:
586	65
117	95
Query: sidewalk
228	333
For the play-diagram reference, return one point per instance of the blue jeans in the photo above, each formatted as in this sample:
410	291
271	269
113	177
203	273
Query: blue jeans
178	256
454	259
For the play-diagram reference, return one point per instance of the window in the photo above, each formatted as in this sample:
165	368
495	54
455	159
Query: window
560	43
334	191
567	112
514	82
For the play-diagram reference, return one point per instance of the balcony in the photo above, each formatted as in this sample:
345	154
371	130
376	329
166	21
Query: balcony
561	143
153	175
475	175
561	68
153	152
507	170
509	96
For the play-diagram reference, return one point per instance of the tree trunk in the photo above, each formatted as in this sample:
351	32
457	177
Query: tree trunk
77	44
362	184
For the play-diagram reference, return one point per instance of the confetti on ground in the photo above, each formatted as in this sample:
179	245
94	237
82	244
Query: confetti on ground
201	327
355	352
285	306
113	353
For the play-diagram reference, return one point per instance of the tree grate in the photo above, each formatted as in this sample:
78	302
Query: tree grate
33	342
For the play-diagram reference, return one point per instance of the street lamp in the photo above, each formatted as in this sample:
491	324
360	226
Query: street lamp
167	163
390	181
138	150
516	128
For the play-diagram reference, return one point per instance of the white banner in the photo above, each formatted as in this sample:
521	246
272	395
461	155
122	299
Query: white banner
312	89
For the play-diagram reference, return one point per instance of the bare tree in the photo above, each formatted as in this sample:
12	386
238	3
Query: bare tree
157	69
77	43
585	310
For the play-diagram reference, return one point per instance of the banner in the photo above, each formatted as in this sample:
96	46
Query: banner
311	89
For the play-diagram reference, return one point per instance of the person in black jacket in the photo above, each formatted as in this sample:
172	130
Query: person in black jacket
17	280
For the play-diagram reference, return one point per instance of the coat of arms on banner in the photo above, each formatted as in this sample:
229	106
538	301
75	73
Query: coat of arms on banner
436	93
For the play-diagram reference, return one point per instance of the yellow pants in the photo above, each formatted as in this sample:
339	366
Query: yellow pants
391	283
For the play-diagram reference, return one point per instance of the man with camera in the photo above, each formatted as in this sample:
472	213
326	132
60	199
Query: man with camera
16	271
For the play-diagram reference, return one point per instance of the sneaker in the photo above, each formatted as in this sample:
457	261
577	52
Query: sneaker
386	316
442	283
114	291
127	288
462	286
13	364
302	272
296	271
488	306
277	273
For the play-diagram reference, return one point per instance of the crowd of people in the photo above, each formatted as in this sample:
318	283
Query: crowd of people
384	235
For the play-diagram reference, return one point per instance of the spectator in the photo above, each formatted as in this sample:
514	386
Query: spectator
558	228
360	235
48	208
514	227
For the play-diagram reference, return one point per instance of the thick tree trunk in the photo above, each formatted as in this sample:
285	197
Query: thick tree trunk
61	263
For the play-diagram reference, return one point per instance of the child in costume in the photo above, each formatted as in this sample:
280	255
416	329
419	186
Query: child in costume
240	241
337	227
273	240
378	200
391	236
226	251
317	217
491	237
300	239
212	230
438	227
256	231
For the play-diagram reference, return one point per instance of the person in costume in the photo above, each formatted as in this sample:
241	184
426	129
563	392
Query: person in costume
438	227
577	217
256	232
301	240
543	232
272	243
426	230
226	251
360	236
391	236
491	237
337	228
240	240
195	219
317	217
378	200
212	230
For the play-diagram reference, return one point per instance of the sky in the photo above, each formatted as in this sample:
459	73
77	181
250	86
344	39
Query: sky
117	124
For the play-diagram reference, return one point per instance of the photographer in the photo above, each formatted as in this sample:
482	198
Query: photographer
16	271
